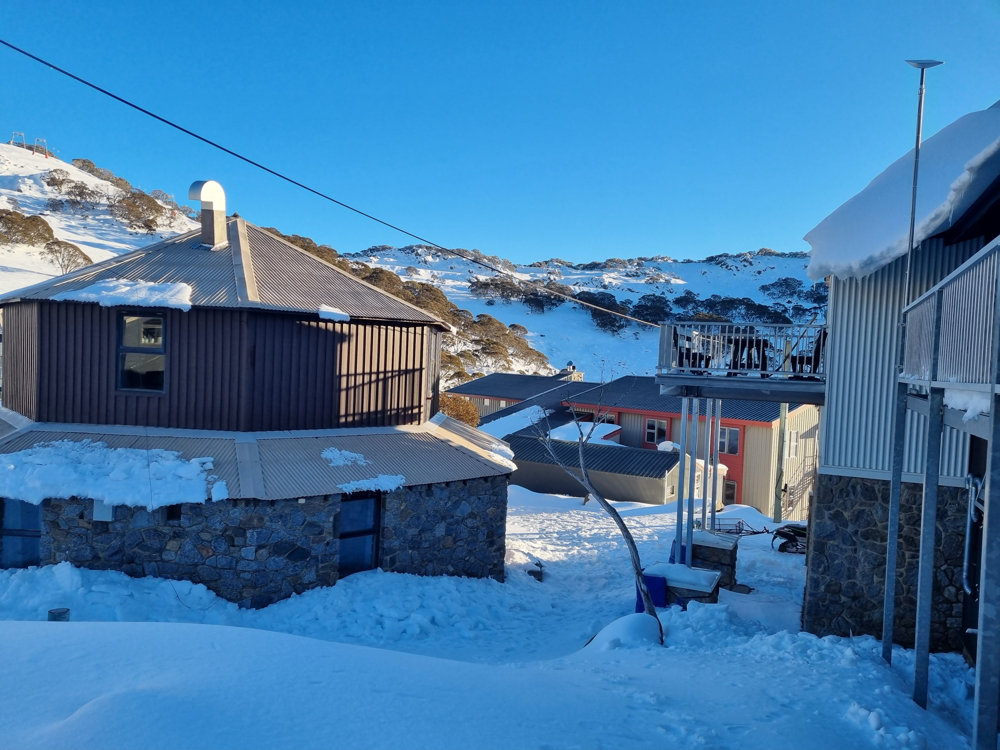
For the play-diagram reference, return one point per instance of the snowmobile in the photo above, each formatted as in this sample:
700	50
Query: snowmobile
793	539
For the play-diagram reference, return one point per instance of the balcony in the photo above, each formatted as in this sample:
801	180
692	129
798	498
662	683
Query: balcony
950	342
757	362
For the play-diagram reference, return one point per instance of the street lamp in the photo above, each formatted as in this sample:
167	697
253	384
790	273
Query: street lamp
899	420
922	65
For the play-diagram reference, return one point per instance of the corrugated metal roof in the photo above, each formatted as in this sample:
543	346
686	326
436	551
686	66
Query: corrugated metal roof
291	465
636	462
643	394
281	277
509	385
550	401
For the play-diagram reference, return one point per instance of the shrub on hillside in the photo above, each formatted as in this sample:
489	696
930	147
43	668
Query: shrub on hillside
136	209
16	228
605	319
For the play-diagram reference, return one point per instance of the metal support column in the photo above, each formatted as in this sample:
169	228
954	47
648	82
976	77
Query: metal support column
895	489
709	403
715	458
679	539
928	522
694	468
986	711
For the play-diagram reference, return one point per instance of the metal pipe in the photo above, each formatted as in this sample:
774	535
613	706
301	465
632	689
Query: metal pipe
679	541
694	464
973	486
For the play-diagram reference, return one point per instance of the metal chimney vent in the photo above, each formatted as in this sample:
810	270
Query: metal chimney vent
213	211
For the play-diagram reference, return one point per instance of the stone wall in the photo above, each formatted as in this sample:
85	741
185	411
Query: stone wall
257	552
456	528
845	564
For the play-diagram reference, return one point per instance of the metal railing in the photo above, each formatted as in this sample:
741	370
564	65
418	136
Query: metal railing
967	299
784	351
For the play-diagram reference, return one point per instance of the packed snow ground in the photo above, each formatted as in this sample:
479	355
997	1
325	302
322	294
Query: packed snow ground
389	660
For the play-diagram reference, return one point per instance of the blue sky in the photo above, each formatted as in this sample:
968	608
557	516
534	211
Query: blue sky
530	130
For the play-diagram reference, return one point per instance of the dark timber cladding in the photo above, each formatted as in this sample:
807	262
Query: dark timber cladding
20	382
225	369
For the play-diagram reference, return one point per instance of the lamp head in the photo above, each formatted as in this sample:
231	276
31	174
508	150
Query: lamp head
924	64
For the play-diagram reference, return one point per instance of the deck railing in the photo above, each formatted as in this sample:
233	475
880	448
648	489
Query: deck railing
967	301
783	351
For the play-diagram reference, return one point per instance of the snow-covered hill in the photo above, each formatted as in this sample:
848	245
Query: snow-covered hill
567	333
564	332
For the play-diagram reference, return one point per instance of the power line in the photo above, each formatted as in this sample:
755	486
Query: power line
314	191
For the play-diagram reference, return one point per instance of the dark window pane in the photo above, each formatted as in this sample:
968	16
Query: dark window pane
19	551
357	515
143	371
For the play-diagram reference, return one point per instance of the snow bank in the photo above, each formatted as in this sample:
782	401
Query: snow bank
115	476
872	228
111	292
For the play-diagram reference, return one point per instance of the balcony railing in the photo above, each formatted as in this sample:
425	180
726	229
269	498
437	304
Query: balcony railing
778	351
959	315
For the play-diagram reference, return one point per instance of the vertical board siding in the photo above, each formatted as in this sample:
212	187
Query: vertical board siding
861	370
20	360
225	370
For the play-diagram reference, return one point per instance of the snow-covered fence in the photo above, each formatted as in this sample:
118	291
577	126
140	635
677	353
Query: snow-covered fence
784	351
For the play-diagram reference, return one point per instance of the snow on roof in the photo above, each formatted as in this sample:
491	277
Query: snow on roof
337	457
111	292
381	483
872	228
115	476
600	434
332	313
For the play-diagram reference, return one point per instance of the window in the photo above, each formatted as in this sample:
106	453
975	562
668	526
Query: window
729	440
729	492
359	531
792	444
20	531
141	353
656	431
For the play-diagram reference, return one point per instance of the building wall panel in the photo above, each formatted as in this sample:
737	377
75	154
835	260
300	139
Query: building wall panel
20	384
861	352
225	369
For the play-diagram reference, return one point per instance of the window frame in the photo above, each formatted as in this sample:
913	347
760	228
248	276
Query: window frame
654	430
374	531
792	444
722	447
123	350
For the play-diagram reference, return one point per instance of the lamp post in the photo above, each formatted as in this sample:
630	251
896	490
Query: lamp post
899	417
922	65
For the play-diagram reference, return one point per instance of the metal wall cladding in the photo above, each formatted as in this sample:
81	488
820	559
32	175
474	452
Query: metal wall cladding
863	318
20	360
225	370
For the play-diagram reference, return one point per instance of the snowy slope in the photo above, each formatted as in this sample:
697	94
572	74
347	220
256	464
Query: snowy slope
95	231
567	333
387	660
564	334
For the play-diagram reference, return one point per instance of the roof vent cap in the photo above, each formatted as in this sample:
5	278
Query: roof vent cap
213	211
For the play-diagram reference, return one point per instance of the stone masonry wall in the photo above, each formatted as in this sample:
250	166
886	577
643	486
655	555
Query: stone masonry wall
845	566
456	528
257	552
